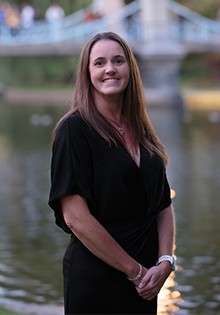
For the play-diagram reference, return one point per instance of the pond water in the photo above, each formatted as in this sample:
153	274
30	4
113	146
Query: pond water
31	246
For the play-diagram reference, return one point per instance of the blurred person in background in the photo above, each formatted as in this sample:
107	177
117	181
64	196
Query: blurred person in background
38	14
27	15
2	18
54	12
53	16
12	18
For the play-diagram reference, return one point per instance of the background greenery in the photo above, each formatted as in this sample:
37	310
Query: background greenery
52	71
208	8
32	71
3	311
202	70
69	6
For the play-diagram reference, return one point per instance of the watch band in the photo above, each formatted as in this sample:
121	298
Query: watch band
167	258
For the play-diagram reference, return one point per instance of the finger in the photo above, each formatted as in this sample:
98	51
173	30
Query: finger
149	295
144	282
149	291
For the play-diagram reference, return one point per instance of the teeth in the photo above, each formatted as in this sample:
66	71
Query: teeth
110	80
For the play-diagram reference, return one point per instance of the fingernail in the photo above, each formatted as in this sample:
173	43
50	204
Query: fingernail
140	286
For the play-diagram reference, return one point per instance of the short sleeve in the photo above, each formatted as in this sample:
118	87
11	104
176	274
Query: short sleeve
71	168
166	197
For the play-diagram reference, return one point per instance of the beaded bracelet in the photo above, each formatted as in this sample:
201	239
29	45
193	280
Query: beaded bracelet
138	275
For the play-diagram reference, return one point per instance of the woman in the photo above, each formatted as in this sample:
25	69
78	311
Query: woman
109	188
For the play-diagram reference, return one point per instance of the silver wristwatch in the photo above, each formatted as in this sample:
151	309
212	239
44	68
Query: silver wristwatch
168	258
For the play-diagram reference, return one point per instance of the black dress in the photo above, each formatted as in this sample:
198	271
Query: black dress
124	198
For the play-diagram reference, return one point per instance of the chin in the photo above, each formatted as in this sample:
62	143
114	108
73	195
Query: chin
113	91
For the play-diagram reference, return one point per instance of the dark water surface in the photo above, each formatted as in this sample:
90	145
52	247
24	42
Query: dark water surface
31	246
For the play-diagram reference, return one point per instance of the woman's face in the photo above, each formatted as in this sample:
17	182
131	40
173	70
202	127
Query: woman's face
108	67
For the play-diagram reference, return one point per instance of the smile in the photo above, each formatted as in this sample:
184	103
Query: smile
110	80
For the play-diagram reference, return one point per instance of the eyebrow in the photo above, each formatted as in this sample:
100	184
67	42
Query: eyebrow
116	56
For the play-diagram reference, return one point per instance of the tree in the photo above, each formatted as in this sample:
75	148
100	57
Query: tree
69	6
208	8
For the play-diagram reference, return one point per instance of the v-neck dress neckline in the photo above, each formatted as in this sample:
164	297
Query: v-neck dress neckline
138	164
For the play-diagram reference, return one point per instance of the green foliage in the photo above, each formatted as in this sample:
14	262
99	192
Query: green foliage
69	6
128	1
6	312
201	70
208	8
50	70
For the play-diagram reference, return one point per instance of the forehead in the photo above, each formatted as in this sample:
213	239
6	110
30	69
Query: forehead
105	48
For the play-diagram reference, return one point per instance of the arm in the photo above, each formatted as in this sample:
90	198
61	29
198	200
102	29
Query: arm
154	279
166	232
95	237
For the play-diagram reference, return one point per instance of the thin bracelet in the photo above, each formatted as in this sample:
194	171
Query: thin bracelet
138	275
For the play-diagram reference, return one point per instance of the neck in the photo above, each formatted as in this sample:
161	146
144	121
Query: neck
110	108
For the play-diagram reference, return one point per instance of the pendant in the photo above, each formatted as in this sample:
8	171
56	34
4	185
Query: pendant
121	130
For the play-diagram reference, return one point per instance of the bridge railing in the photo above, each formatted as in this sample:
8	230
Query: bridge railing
188	25
75	27
185	25
42	32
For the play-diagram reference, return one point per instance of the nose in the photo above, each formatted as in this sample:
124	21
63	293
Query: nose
110	69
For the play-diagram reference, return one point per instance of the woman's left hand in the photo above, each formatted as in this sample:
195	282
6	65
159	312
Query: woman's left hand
152	282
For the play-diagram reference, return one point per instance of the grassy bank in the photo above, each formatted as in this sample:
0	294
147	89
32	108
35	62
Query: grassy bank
4	311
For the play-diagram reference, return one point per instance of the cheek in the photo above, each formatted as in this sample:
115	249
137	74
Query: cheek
127	75
91	78
94	76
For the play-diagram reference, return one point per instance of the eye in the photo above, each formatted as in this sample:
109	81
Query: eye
99	63
119	61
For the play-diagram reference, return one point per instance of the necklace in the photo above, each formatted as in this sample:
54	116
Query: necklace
121	130
119	127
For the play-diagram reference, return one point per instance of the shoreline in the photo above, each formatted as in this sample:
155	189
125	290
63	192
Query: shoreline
22	308
194	99
54	96
202	99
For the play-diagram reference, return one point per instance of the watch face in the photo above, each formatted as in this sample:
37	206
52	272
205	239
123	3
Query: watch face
168	258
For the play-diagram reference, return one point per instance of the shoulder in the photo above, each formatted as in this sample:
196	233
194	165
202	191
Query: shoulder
74	121
153	158
73	125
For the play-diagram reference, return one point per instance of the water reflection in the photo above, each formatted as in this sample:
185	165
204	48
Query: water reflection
193	145
32	246
169	297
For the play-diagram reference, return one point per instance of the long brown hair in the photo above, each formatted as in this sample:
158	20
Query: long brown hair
134	106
